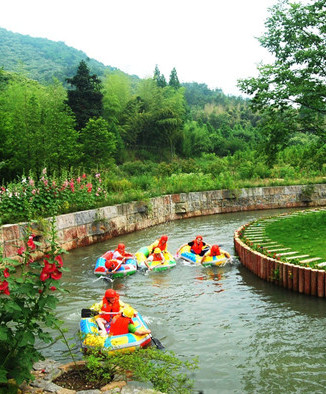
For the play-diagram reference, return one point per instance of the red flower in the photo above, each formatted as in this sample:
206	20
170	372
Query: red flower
56	275
44	276
84	176
31	243
58	259
4	287
6	273
40	291
20	251
49	268
53	288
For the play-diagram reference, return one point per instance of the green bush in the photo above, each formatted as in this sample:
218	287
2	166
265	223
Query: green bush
163	370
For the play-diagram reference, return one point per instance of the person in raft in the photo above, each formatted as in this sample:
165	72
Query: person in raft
213	251
157	255
110	307
160	243
122	323
119	257
197	246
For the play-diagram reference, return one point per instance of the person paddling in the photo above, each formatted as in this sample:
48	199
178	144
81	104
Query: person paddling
119	256
197	246
110	307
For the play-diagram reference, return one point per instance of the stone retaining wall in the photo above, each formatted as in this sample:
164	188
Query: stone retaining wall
88	227
304	280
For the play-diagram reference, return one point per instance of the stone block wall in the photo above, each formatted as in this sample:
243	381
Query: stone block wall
87	227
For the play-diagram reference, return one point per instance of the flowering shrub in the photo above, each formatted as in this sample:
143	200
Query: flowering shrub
30	198
27	303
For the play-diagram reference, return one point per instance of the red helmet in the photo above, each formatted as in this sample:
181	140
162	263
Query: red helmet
164	238
199	237
121	246
110	293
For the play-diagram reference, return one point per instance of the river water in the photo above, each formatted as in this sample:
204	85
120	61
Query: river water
250	336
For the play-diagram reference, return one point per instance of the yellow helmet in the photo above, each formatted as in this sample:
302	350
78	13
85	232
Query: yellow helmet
157	250
128	311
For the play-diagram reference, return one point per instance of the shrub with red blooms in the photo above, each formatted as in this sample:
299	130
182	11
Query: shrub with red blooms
28	299
49	196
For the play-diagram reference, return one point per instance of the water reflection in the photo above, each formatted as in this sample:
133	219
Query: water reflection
249	335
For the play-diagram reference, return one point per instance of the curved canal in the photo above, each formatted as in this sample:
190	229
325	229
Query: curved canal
249	335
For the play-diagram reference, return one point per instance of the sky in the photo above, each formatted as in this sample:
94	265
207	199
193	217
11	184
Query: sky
207	41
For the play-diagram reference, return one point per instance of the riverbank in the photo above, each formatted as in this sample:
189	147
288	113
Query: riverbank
87	227
277	263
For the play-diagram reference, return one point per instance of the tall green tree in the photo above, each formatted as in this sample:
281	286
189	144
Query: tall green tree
85	99
293	87
36	128
174	80
98	143
159	78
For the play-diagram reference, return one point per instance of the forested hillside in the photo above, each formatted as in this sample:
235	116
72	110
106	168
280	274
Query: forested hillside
41	59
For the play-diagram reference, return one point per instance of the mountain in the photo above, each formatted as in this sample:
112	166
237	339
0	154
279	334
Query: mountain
42	59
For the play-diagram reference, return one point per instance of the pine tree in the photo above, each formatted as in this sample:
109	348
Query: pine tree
174	81
159	78
86	99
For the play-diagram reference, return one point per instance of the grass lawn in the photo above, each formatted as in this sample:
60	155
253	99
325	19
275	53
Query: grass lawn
304	233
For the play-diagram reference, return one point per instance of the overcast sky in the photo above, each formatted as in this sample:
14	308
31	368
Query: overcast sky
207	41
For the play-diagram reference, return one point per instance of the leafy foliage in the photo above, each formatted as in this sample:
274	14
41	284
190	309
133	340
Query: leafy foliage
292	89
27	305
163	370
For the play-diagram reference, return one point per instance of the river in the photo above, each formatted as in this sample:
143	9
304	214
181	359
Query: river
250	336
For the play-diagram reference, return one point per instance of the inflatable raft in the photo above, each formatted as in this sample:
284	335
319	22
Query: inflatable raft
220	260
129	267
91	339
144	252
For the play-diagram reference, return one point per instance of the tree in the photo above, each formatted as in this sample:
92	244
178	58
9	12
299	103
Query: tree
86	99
98	143
159	78
293	87
36	128
174	81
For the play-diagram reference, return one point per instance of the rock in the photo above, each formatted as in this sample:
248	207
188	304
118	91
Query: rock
113	385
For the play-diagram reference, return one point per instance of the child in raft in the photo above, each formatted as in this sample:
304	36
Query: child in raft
122	323
120	256
214	251
156	256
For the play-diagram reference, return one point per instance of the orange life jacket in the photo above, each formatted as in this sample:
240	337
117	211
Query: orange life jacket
197	248
161	245
107	307
157	257
119	325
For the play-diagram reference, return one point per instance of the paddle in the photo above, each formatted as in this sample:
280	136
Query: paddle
91	312
157	343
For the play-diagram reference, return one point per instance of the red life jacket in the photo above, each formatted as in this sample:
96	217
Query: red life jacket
157	257
197	248
107	307
162	245
119	325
